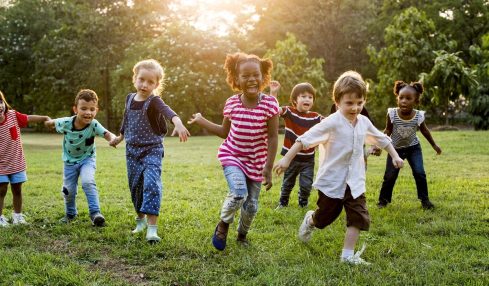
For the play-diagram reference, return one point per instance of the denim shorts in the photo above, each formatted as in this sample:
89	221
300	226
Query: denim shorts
16	178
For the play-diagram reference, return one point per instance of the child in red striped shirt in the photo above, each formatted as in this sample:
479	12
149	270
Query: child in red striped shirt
250	130
12	161
298	119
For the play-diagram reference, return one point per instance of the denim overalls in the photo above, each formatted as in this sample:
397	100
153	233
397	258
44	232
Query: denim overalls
144	153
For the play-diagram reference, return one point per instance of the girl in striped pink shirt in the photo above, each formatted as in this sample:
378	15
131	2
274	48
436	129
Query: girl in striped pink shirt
250	128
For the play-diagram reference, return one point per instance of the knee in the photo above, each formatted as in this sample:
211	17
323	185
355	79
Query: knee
251	206
88	184
68	191
234	201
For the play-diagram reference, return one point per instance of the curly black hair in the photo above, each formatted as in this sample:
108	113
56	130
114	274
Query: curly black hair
417	86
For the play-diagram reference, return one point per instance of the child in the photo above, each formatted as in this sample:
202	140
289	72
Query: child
79	154
250	130
401	126
12	161
341	175
298	119
143	128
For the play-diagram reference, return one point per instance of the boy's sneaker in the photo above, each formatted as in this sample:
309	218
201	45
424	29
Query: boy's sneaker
381	204
3	221
280	206
427	205
67	218
97	219
306	229
355	259
18	218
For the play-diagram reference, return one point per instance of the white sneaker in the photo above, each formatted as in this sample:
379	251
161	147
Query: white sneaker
305	230
18	218
355	259
3	221
141	224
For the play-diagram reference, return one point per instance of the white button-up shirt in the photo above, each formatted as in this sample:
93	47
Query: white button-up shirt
341	159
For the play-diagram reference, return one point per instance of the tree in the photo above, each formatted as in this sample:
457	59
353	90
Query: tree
410	40
449	81
292	65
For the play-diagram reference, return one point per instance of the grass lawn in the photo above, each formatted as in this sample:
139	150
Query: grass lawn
406	245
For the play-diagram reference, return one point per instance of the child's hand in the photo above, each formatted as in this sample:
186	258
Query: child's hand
398	162
196	117
274	88
49	123
115	141
267	178
374	150
281	166
182	132
437	149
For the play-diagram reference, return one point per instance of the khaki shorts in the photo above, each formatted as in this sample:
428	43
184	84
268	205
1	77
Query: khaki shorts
329	209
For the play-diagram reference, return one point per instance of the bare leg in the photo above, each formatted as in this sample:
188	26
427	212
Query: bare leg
152	219
351	237
3	193
17	197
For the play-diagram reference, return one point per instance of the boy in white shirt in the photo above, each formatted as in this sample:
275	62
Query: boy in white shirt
341	175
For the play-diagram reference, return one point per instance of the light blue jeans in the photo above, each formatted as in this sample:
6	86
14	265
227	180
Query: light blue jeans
85	170
243	194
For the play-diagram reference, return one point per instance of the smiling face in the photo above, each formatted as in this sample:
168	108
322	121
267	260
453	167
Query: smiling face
407	99
85	112
350	106
249	78
304	102
145	82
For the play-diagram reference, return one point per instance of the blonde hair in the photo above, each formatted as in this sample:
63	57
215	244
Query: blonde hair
153	65
2	99
349	82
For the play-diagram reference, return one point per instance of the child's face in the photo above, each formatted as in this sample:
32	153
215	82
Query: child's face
146	81
2	107
350	106
249	78
304	102
407	99
85	111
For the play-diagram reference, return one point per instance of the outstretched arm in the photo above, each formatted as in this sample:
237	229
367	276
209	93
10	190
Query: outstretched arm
49	123
272	130
216	129
427	134
284	163
180	129
37	118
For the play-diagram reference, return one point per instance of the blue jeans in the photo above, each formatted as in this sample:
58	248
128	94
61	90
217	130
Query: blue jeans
85	170
243	194
305	171
414	157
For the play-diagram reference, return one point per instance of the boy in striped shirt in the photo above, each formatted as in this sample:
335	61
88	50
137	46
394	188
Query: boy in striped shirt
298	119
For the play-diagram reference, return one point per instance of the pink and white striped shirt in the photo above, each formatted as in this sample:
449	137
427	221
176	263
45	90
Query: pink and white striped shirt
11	154
247	143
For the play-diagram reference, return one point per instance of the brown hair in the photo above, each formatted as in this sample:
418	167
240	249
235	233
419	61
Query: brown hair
299	89
349	82
152	65
417	86
231	66
87	95
2	99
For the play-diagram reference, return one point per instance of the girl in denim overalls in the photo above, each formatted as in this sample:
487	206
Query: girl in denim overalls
143	128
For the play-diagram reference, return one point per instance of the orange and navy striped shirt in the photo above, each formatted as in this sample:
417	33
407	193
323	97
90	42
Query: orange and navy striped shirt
296	124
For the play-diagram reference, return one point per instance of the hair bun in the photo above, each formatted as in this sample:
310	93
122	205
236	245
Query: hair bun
398	85
418	87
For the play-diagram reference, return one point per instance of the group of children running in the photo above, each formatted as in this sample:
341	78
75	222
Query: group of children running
250	132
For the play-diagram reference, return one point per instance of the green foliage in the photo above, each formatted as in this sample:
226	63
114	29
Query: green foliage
410	40
292	65
407	246
479	95
448	82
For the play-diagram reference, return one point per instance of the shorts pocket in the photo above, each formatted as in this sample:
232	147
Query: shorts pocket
14	134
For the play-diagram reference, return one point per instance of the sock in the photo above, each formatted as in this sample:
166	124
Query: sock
347	253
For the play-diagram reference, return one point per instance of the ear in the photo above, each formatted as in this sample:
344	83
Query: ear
75	110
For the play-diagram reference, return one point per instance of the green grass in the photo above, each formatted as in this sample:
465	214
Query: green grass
407	246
